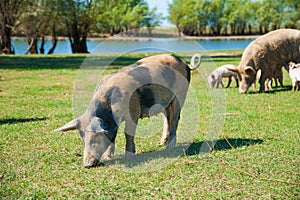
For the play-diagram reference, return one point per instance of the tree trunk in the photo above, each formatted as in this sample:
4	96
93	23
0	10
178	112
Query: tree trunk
250	29
232	29
32	45
260	29
54	43
77	45
42	47
8	14
179	33
53	40
5	42
111	32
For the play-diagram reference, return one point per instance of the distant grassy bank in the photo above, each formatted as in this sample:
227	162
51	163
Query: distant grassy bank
75	60
255	157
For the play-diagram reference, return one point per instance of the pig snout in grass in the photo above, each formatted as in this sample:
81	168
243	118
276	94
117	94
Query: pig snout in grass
152	85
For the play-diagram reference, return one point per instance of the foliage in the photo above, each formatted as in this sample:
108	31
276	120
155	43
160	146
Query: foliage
233	16
78	19
78	16
122	15
38	163
75	19
38	19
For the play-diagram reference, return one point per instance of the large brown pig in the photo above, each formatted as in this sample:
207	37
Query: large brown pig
150	86
273	49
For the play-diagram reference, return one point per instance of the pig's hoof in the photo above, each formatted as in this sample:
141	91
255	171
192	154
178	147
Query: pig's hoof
129	155
163	142
91	163
106	157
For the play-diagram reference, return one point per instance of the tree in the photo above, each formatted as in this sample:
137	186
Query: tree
190	19
50	22
239	16
39	19
291	16
273	18
78	17
215	9
9	11
109	16
176	14
115	16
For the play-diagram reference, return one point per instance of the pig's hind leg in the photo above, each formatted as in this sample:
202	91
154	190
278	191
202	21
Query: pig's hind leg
173	115
229	81
165	135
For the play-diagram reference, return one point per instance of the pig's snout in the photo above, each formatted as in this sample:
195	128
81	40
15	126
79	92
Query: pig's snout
92	162
242	91
243	88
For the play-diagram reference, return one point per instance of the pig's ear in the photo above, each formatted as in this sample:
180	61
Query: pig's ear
233	69
72	125
249	70
96	125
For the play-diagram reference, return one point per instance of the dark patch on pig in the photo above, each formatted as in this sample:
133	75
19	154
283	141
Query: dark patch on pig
188	74
169	76
111	135
141	74
104	112
177	58
113	95
146	97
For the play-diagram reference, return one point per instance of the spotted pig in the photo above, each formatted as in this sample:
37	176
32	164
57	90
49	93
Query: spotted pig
155	84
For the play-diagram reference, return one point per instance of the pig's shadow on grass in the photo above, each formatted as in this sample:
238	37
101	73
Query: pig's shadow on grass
274	90
20	120
197	148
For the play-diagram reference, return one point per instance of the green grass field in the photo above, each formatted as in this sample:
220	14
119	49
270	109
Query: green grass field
256	155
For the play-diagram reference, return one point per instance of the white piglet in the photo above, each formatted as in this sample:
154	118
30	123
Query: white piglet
294	72
222	72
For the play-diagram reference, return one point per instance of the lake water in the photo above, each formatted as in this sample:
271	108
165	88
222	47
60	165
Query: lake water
144	45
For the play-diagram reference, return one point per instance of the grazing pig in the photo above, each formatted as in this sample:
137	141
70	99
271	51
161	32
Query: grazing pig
222	72
294	72
275	48
150	86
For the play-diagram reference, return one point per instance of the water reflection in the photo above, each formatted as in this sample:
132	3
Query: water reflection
147	45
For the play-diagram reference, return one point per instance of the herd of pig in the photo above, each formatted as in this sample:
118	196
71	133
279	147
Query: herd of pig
263	60
224	71
159	84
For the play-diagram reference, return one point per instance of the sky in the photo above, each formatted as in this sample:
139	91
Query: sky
162	7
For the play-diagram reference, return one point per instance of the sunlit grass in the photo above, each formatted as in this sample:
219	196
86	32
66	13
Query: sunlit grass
36	95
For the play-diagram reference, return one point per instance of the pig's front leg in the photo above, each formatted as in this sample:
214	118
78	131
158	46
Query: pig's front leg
130	128
109	152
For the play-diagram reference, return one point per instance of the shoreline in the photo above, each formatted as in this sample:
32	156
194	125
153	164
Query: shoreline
117	37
